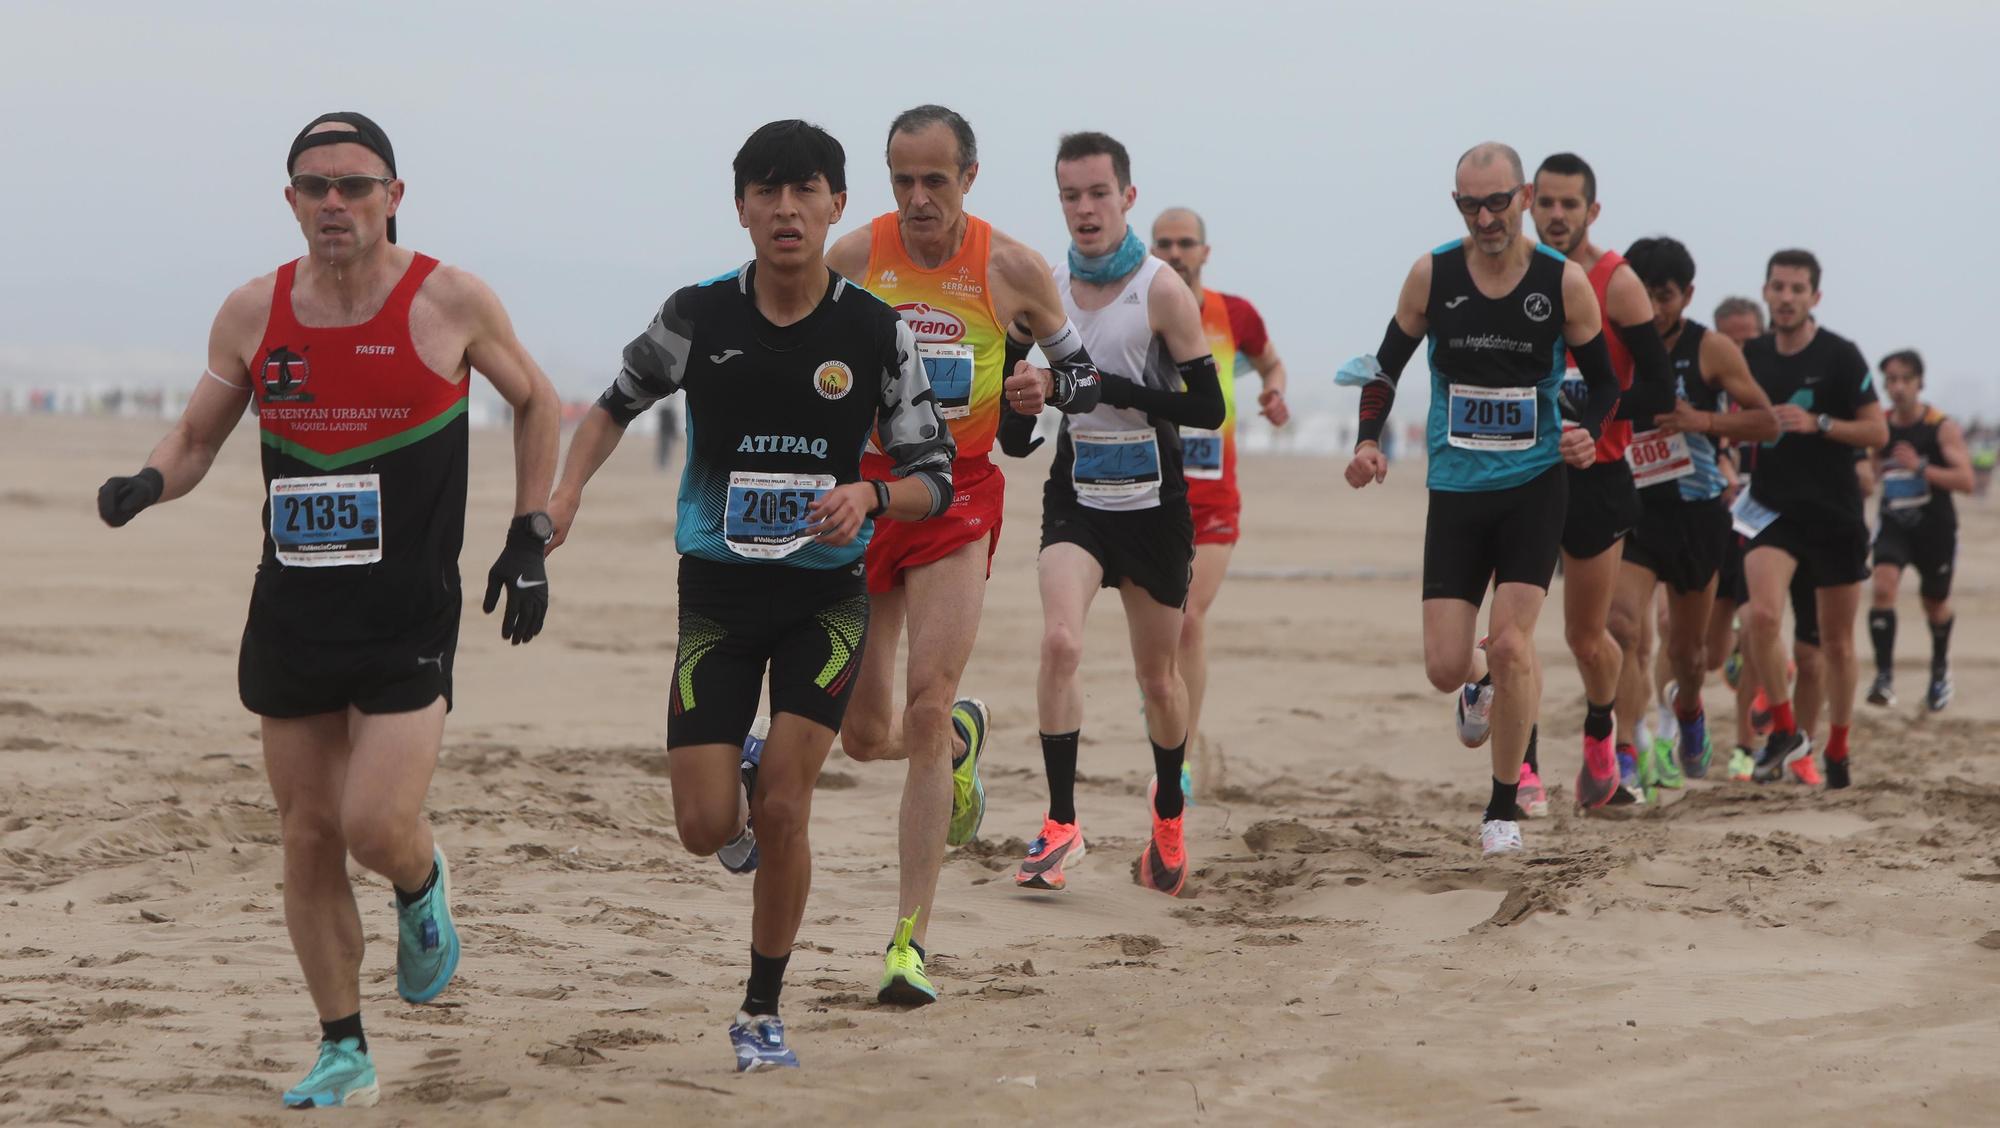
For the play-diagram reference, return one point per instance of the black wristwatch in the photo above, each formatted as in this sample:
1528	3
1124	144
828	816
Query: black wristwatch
881	498
537	525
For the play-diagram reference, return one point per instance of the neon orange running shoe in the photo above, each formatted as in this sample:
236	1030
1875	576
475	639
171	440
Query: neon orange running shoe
1058	845
1163	866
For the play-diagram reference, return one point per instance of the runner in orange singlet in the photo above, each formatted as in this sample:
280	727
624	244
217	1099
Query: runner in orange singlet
1180	238
977	301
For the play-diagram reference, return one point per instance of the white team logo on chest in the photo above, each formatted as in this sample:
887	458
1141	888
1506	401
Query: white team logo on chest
833	380
1538	307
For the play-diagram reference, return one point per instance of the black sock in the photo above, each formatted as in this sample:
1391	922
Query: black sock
1941	647
767	978
1168	802
1882	632
349	1027
1597	721
1501	805
1485	679
1059	761
1534	738
408	899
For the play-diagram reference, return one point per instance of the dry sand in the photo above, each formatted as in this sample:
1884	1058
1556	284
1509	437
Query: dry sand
1742	954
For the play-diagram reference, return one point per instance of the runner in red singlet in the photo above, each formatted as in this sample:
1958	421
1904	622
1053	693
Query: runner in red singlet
1180	238
357	358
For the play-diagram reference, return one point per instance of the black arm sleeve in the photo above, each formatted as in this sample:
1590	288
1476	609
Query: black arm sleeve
1652	391
1378	396
1199	406
1017	431
1078	385
1593	362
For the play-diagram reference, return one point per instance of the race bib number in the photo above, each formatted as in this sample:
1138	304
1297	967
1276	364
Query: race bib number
1115	465
765	518
950	370
327	522
1573	395
1656	458
1492	418
1904	490
1750	516
1201	452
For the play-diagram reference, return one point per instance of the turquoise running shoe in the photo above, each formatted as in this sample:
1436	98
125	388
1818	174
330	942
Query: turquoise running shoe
426	941
342	1078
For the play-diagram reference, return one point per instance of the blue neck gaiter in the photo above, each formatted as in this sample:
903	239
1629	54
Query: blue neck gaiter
1107	268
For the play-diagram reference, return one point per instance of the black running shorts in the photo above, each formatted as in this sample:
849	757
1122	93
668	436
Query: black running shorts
1930	546
1153	548
1473	540
805	626
1603	508
284	675
1681	542
1834	551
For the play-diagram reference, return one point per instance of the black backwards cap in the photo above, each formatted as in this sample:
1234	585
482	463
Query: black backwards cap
365	133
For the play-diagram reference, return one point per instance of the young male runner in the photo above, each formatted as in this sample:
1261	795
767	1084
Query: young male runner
1925	462
1498	309
1802	511
788	370
1114	509
357	357
976	301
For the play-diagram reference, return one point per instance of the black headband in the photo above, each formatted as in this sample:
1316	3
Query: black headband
365	133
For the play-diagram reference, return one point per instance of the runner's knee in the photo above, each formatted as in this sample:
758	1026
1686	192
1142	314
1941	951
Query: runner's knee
1509	655
1062	650
866	738
781	815
376	840
1764	620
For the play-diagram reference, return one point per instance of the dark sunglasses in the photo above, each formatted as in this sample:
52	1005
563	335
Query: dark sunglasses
1185	243
355	187
1495	203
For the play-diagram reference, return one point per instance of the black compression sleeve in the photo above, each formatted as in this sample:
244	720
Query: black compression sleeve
1395	351
1593	361
1199	406
1652	391
1017	433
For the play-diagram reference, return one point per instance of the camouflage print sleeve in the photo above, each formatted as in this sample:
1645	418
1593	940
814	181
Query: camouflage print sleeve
909	428
655	363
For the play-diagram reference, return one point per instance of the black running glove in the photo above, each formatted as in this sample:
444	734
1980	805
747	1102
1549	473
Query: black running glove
120	499
523	573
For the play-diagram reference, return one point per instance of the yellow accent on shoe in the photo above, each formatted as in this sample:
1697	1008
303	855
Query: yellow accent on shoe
903	980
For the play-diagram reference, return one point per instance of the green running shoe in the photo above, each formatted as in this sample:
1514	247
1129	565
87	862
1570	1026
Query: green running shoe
973	721
1662	765
426	941
904	983
342	1078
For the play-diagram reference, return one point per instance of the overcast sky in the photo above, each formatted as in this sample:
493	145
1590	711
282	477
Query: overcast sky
576	156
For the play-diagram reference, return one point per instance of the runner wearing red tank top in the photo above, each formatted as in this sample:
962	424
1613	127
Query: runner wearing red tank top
357	358
1180	239
1603	503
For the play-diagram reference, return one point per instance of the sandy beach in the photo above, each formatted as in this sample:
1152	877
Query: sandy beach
1739	954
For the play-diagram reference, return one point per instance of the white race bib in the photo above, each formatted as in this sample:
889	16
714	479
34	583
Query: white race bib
1201	452
1492	418
1115	465
765	517
327	522
1656	458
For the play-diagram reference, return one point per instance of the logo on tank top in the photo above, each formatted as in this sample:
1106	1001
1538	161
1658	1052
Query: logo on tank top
1538	307
929	323
833	380
284	376
962	283
888	278
374	350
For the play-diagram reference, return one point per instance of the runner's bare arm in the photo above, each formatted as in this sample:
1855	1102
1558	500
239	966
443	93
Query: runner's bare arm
651	371
220	394
1956	472
496	353
1271	369
848	256
1378	373
1722	365
1583	328
1026	301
